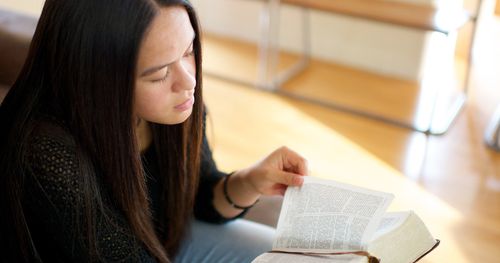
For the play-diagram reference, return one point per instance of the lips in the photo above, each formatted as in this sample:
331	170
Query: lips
185	105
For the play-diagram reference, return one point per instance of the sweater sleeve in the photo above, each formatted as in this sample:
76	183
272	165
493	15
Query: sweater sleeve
53	187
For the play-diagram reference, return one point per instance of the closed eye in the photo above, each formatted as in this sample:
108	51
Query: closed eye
164	77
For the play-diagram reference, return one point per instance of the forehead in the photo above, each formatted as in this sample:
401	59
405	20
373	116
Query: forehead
168	36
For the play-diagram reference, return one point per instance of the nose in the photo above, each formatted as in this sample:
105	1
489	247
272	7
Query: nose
185	76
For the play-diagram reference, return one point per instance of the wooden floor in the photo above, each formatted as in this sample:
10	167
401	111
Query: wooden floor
451	181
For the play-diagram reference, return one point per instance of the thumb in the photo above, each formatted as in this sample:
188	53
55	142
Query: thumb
290	179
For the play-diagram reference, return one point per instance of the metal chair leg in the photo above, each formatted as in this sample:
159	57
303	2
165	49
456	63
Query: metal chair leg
270	77
268	45
305	58
492	133
461	99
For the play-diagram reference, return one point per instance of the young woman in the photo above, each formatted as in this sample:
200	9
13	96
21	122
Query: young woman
103	153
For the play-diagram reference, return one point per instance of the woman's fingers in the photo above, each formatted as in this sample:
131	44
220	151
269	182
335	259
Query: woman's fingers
290	179
293	162
277	171
281	180
281	189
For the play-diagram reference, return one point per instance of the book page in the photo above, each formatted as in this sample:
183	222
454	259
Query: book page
327	216
389	222
404	241
292	258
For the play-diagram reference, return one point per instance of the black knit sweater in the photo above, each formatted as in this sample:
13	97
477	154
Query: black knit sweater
53	183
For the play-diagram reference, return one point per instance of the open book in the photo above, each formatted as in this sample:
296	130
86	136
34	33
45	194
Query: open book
328	221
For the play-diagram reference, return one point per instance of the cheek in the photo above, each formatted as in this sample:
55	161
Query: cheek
151	101
144	104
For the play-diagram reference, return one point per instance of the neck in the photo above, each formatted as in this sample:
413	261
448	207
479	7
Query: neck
144	136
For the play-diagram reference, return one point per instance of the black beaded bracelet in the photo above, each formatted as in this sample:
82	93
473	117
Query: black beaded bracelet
229	199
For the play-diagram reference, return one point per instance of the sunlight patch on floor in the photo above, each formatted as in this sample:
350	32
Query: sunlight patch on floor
248	118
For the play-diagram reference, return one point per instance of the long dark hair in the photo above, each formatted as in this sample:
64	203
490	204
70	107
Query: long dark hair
82	61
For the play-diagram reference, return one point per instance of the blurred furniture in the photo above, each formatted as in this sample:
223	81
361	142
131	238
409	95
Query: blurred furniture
415	16
16	31
492	134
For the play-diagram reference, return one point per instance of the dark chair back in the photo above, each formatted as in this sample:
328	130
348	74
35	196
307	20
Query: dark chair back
16	31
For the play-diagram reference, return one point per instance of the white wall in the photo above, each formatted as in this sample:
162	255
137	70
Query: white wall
32	7
376	47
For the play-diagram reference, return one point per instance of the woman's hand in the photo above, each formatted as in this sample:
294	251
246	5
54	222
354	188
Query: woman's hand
270	176
273	174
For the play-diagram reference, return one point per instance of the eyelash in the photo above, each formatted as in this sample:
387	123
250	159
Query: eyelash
162	79
189	54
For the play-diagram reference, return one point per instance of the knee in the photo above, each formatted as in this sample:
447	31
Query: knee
254	238
237	241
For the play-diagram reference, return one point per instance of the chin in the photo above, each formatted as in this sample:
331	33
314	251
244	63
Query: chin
178	118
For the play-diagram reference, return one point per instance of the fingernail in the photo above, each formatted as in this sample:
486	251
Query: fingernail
300	180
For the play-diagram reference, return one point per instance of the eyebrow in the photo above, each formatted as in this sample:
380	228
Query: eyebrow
151	70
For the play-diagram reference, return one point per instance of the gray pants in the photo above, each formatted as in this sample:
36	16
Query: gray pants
238	241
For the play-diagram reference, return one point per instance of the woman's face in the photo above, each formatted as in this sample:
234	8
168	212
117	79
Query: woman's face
166	70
